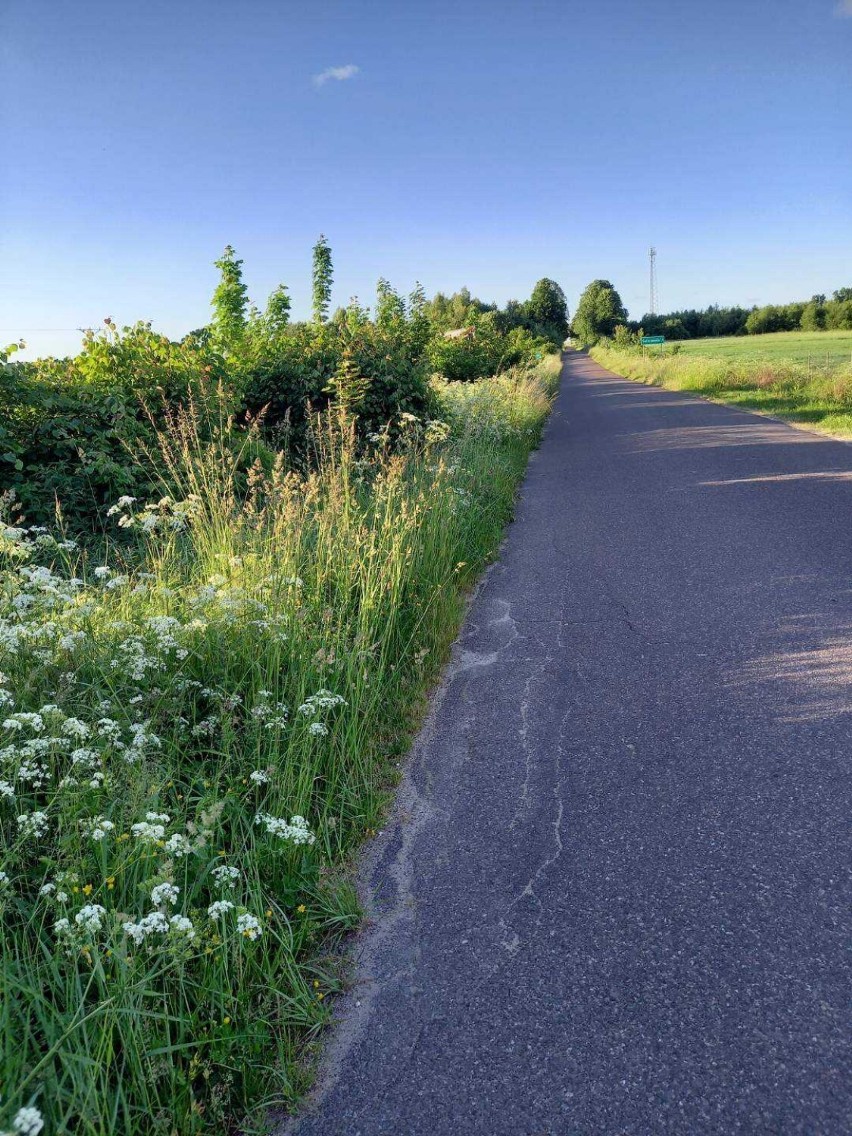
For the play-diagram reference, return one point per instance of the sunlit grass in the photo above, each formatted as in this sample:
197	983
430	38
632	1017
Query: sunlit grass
198	729
819	397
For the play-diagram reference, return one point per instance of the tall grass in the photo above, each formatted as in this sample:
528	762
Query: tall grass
197	732
817	396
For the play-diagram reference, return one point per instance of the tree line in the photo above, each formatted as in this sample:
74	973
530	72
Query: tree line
600	312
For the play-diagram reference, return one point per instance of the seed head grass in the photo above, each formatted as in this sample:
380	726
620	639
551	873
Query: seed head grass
199	723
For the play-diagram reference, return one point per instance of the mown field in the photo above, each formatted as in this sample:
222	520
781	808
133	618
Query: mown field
208	680
820	347
813	391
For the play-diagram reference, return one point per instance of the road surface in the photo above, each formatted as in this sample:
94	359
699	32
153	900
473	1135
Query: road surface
614	896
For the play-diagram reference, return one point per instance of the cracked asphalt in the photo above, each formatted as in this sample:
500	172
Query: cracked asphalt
614	895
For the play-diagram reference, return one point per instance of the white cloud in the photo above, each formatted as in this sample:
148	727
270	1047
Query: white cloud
844	8
341	73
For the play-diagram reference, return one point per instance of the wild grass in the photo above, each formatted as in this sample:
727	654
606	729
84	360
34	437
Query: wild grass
819	397
196	733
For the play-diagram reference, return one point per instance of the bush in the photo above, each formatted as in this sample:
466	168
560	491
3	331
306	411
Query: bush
75	426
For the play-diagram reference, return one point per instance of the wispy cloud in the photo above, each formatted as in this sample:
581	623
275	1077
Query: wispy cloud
341	73
844	8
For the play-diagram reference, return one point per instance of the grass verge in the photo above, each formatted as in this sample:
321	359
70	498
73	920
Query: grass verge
196	733
817	397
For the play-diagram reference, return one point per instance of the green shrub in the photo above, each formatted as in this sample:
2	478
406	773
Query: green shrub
75	426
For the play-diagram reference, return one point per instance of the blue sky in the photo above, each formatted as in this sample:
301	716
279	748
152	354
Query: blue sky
484	143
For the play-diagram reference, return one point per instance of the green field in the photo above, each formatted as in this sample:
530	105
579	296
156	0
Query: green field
778	374
820	347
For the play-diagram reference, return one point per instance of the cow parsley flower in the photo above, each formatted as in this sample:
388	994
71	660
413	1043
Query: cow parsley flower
28	1122
90	917
74	728
249	926
33	824
178	845
165	893
220	907
259	776
100	826
152	924
225	875
182	926
297	830
152	828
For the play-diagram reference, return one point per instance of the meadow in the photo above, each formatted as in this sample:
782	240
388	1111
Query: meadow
820	347
206	691
804	378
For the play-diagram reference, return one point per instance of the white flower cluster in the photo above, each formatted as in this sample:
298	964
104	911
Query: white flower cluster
33	824
271	713
156	923
27	1121
296	830
249	926
225	875
165	515
90	917
55	750
322	700
219	908
98	827
164	894
152	829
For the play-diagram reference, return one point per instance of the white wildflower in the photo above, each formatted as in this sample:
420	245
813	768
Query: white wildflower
102	571
182	926
178	845
165	893
152	924
297	830
220	907
74	728
20	720
152	829
28	1122
318	729
33	824
99	827
249	926
90	917
259	776
225	875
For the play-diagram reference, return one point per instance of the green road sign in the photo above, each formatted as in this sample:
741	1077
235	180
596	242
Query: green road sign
649	340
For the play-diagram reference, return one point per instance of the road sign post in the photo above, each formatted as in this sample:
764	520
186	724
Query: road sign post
652	341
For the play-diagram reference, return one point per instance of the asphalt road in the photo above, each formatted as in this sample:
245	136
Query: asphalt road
614	897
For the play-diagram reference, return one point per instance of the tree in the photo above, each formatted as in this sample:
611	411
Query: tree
390	306
842	295
813	316
229	300
277	314
547	309
323	275
599	310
